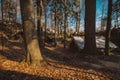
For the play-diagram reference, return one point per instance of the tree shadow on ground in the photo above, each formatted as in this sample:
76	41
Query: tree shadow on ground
12	75
13	51
66	57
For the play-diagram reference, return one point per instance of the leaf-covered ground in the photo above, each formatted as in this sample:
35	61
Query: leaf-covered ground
63	64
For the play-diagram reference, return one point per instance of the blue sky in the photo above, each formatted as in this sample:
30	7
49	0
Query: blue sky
98	13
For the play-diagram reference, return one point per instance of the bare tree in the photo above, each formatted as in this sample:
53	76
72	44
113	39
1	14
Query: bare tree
108	28
90	18
31	40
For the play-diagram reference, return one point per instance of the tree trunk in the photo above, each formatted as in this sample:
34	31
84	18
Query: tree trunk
55	18
90	16
58	28
65	23
39	23
45	23
102	26
108	28
1	36
33	51
117	19
77	23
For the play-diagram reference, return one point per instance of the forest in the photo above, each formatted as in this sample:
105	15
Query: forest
59	39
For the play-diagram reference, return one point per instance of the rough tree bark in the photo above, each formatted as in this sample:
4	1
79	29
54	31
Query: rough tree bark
34	56
90	16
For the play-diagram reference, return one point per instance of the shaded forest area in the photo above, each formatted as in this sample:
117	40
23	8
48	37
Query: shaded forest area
43	46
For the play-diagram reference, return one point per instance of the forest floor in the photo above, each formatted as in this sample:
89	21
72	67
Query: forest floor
63	64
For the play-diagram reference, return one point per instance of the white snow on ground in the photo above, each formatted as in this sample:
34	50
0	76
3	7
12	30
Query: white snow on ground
100	42
79	41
